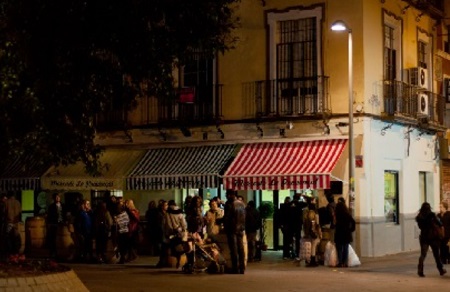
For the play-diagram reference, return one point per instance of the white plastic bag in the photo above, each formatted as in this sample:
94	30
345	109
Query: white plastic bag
330	255
353	259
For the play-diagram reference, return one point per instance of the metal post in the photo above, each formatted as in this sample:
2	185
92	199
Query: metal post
351	147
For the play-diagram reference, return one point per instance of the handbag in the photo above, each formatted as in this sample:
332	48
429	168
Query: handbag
437	231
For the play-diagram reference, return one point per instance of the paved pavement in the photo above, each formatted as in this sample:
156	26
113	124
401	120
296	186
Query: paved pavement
389	273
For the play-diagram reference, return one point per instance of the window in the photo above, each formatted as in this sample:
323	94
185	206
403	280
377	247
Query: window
297	85
422	54
391	202
392	44
390	54
422	187
197	96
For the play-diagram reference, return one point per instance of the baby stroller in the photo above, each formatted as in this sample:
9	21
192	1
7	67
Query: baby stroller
207	257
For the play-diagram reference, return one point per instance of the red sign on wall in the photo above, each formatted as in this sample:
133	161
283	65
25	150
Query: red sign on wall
359	161
187	95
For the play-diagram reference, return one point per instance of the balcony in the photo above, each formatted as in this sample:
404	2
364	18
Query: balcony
297	97
204	106
110	120
405	101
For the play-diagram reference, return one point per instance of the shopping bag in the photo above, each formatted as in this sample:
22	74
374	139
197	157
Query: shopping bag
331	258
353	259
305	250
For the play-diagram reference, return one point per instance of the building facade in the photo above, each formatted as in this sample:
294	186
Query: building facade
287	83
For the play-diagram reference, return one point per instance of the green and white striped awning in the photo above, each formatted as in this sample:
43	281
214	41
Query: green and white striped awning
23	173
188	167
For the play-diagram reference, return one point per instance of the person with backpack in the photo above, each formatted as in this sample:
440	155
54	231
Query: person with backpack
312	231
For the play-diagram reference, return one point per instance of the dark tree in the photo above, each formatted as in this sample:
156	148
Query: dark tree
63	62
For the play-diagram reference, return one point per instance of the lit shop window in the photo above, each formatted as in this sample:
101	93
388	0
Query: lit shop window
391	207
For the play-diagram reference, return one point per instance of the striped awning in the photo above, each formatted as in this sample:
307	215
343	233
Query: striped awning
117	164
21	174
188	167
284	165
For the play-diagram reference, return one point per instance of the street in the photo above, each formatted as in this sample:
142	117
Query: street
389	273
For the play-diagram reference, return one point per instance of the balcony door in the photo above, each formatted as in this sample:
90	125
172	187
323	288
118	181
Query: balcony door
198	75
295	62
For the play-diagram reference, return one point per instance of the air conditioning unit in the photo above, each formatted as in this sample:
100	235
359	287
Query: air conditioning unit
422	102
418	76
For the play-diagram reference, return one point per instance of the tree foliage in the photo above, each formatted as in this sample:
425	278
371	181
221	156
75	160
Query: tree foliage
63	62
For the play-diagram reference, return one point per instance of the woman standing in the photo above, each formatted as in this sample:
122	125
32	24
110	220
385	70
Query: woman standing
425	219
211	218
345	225
133	231
122	220
444	216
102	226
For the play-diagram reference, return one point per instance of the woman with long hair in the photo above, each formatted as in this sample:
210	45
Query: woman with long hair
425	219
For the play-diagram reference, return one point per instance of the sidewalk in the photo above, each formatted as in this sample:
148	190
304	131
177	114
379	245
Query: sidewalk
388	273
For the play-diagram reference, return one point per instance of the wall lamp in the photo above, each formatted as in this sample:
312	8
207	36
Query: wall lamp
282	132
326	128
260	131
289	125
405	8
163	135
419	16
222	134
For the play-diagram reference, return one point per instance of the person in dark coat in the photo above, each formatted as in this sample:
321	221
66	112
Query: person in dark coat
252	225
295	222
283	219
427	238
234	223
56	216
444	216
345	225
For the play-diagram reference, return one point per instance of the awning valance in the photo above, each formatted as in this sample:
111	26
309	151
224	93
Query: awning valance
284	165
118	164
188	167
21	174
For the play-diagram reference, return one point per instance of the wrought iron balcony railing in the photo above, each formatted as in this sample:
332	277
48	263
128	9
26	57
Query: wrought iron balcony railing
202	104
205	107
286	97
410	101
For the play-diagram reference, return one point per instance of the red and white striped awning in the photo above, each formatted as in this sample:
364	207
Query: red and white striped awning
284	165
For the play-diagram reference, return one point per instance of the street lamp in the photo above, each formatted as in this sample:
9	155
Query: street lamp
341	26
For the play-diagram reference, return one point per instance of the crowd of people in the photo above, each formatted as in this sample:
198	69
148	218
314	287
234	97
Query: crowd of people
233	218
301	220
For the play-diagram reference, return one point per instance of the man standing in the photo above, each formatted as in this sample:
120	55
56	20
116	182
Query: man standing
13	217
55	217
234	222
295	219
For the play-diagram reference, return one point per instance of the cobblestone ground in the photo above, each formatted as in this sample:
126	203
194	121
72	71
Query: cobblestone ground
390	273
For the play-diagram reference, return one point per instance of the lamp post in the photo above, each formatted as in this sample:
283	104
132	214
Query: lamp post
341	26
